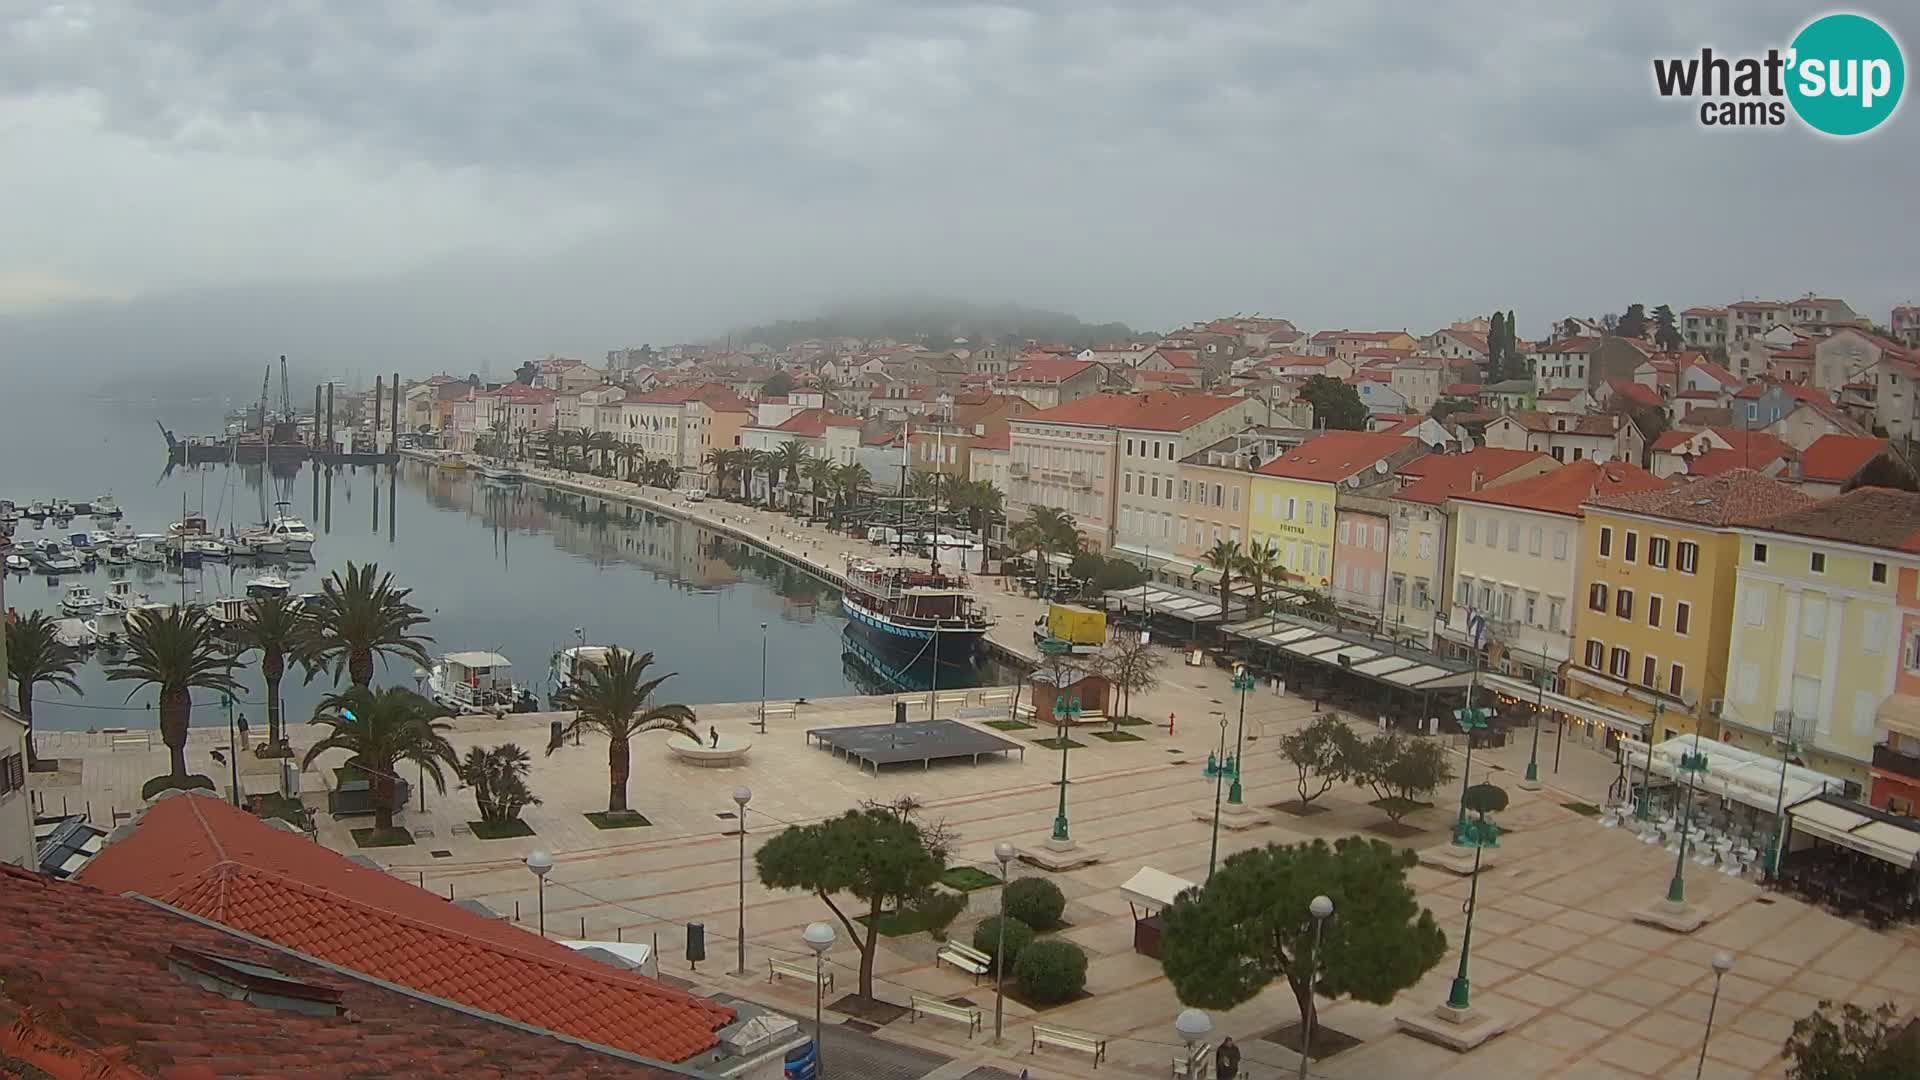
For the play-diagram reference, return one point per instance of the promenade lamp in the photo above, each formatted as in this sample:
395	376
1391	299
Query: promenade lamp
1643	806
763	678
1320	908
1471	719
819	937
1722	963
1243	682
1694	764
741	797
540	861
1787	732
1219	767
1539	709
1481	834
233	755
1193	1026
1065	712
1003	853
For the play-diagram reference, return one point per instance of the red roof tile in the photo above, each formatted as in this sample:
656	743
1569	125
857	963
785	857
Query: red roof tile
212	860
92	991
1870	516
1048	369
1180	358
1837	458
1180	378
813	423
1336	455
1439	477
1734	497
1156	410
1563	490
1638	393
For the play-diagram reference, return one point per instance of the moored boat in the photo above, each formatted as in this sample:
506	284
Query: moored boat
477	682
79	600
290	530
915	608
269	584
566	667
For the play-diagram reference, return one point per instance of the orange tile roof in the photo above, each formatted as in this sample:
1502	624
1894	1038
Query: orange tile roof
1639	393
1181	377
1869	516
1039	368
812	423
1180	358
1439	477
1336	455
1734	497
1563	490
94	993
220	863
1837	458
1156	410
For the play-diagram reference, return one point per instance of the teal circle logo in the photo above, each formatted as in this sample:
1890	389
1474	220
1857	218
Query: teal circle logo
1845	75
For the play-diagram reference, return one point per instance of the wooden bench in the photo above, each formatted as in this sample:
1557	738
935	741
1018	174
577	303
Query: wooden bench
130	740
931	1006
1023	711
911	701
1086	718
965	957
1068	1039
1001	696
779	712
953	700
1195	1067
806	973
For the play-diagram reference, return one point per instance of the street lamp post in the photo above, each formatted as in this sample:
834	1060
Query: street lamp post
1789	744
1643	806
1471	719
1243	682
1219	780
763	678
1320	908
233	755
742	796
1458	995
1003	853
1539	710
1722	963
819	937
1064	713
540	861
1693	764
1192	1025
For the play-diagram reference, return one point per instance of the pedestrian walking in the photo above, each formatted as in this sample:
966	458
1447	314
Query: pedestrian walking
1226	1060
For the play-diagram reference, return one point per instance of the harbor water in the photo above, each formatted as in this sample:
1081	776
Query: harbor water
523	570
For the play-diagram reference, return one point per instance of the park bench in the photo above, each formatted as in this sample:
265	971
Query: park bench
792	969
965	957
911	701
783	711
130	740
953	700
931	1006
1195	1066
1068	1039
999	696
1023	711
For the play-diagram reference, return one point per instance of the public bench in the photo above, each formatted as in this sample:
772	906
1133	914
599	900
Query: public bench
129	740
950	700
931	1006
1085	1042
783	711
806	973
965	957
1194	1067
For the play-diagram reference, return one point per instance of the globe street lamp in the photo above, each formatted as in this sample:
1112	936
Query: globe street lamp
1722	963
742	796
1065	712
1003	853
1192	1025
1539	710
1481	834
1243	682
540	861
763	678
1219	776
1471	719
1694	764
819	937
1320	908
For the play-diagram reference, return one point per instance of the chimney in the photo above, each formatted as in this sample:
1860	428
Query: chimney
1473	481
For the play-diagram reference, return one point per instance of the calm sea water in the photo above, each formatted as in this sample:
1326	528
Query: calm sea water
512	570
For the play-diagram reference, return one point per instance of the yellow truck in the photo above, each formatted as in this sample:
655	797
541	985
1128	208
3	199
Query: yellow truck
1082	628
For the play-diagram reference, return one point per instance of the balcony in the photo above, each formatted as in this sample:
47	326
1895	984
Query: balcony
1887	759
1080	480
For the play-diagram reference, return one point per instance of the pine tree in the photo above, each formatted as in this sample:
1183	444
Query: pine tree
1496	348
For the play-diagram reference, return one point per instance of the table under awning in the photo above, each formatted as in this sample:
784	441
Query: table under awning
1858	827
1619	722
1375	658
1743	776
1165	602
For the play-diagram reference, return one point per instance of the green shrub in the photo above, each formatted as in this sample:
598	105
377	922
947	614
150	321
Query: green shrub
1035	901
986	938
165	783
1051	971
938	909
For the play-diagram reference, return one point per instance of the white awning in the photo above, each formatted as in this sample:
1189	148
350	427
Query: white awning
1154	888
1624	723
478	659
1869	836
1741	775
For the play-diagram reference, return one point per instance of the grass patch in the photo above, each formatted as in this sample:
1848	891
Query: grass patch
967	878
1584	809
491	830
1134	721
1117	736
904	922
382	838
1009	725
1057	743
292	811
626	819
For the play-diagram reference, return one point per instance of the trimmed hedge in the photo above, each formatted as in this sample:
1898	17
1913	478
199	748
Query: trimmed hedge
1035	901
986	938
1051	971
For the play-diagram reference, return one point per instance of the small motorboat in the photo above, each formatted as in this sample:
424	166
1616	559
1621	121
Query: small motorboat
207	547
150	548
55	559
73	633
18	563
79	600
190	525
109	628
269	584
119	554
104	506
80	541
477	682
122	598
290	530
263	542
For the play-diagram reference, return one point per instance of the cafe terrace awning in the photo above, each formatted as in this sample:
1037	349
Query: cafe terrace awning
1375	659
1859	827
1521	689
1744	776
1166	602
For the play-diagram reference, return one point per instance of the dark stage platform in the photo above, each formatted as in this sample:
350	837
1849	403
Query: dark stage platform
924	741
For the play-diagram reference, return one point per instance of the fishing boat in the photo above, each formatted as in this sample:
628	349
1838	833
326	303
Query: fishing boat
150	548
73	633
109	628
206	547
566	667
119	534
453	462
55	559
290	530
122	598
104	506
79	600
118	554
915	608
501	473
269	584
477	682
189	525
80	541
262	542
19	563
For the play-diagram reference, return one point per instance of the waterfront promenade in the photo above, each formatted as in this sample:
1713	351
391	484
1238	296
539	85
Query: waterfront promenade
1588	993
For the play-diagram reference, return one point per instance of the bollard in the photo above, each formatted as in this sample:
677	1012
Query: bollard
583	928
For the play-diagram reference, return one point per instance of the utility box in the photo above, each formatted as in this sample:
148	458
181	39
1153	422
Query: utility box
696	942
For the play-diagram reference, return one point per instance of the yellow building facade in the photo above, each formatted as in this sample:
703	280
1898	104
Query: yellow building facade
1653	621
1294	495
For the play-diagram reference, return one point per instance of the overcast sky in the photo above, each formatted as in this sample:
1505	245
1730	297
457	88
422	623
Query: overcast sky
444	184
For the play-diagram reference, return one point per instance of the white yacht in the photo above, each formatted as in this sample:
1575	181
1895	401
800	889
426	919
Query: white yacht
568	666
269	584
290	529
477	682
79	600
151	548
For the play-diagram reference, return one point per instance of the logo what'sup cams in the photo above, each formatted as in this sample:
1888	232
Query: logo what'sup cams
1843	75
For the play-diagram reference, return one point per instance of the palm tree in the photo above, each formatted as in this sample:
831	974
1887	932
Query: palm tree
277	627
381	729
178	651
1224	557
604	444
1047	530
818	472
554	441
849	481
628	456
357	616
720	460
983	504
787	461
1261	566
767	464
612	698
35	656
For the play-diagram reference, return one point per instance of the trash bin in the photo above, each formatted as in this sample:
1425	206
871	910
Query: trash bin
803	1062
